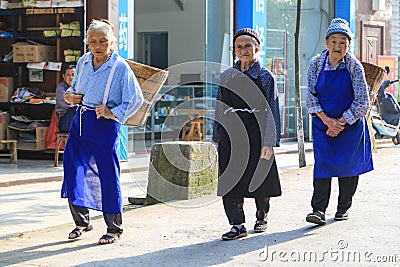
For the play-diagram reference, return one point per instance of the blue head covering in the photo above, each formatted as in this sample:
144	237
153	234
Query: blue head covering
339	25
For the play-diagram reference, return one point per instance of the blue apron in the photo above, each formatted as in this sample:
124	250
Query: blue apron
91	165
348	154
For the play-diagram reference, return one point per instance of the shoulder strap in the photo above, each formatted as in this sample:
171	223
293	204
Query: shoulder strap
78	82
108	85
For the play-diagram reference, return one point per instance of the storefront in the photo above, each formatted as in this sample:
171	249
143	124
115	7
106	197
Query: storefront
192	39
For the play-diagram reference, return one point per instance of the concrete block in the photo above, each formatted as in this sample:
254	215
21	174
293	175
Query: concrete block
181	170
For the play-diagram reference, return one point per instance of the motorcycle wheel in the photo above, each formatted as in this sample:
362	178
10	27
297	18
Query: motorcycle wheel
396	139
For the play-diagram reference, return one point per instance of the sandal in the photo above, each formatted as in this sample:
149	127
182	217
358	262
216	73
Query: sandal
77	232
108	239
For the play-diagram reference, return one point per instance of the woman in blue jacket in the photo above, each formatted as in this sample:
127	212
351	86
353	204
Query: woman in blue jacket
107	93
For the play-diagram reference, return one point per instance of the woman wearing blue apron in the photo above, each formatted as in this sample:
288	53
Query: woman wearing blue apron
337	97
107	93
247	128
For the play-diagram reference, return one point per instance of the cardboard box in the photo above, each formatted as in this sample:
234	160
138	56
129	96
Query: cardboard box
40	133
4	121
6	88
15	4
33	52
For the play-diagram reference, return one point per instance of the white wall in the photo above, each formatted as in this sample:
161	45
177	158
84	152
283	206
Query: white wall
186	29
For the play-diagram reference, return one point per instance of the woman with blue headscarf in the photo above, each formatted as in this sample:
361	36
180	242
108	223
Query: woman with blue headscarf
338	100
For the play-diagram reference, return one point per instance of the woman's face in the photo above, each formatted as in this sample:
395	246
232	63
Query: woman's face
68	76
245	49
100	44
338	45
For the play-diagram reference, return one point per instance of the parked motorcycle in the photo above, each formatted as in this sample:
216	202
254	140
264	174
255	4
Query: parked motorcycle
385	114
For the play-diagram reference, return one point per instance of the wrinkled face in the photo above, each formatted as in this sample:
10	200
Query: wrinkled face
100	44
245	48
68	76
338	45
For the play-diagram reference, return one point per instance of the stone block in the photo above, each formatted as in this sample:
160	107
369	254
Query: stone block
181	170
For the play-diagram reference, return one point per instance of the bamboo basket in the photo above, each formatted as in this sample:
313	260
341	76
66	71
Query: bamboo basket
374	75
151	80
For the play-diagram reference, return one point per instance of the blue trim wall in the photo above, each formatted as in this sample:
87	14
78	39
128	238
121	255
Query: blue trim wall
346	9
123	52
253	14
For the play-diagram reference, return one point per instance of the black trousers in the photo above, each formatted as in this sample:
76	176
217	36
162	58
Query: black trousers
81	218
234	209
322	193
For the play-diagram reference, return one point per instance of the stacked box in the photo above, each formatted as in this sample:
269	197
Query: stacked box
6	88
33	52
15	4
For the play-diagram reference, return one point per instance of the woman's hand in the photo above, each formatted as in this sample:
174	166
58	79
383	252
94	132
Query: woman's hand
105	112
266	152
72	98
335	126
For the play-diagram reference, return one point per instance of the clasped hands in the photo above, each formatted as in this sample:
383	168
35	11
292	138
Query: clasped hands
101	111
335	126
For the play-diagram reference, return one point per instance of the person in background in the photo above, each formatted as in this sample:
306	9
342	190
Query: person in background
338	100
91	165
246	128
65	113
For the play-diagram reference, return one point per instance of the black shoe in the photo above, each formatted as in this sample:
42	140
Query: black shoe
235	233
316	217
341	216
260	226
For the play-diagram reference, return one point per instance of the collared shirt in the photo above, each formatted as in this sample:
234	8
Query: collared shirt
125	96
360	104
268	82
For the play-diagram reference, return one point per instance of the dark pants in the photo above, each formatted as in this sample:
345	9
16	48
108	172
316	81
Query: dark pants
81	218
234	209
65	121
322	193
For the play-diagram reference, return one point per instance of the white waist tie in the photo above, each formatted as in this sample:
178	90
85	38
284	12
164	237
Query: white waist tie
81	111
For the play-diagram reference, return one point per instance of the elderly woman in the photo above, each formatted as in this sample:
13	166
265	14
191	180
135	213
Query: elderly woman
337	98
247	127
107	93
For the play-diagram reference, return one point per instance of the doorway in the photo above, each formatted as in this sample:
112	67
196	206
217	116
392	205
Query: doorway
372	42
153	49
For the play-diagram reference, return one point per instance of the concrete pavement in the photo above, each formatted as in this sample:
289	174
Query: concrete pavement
187	233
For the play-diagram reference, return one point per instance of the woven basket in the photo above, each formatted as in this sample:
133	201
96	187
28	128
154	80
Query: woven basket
151	80
374	75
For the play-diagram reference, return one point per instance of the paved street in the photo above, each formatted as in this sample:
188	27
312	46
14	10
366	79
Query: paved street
187	233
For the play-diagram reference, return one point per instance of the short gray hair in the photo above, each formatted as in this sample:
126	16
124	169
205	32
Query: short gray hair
102	25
